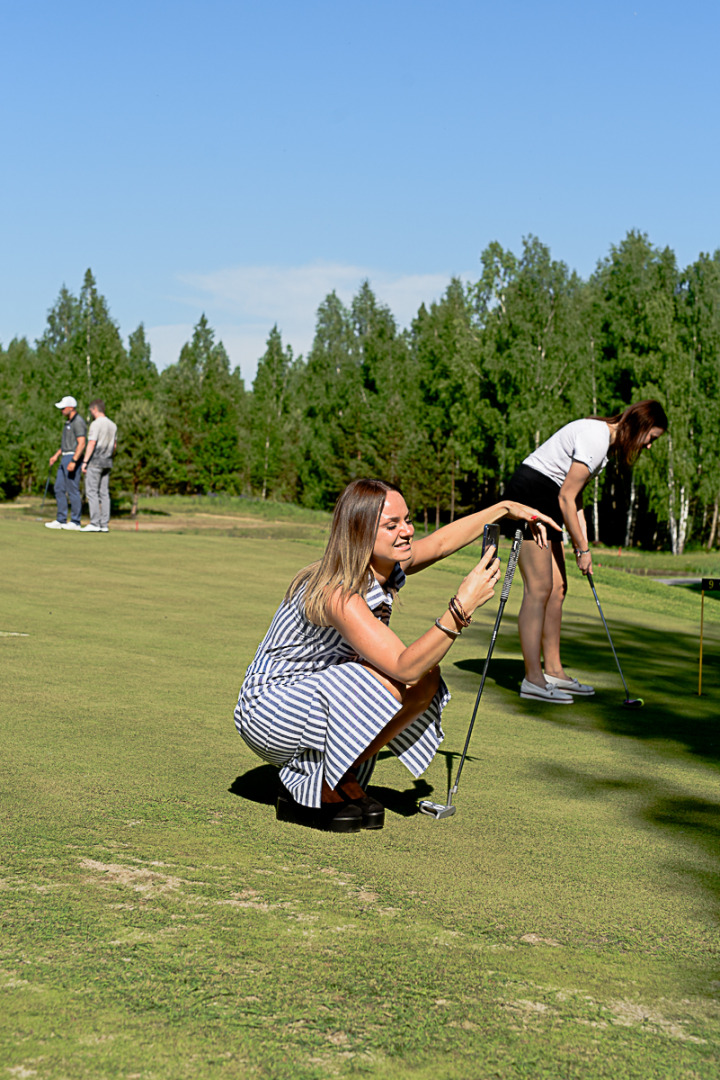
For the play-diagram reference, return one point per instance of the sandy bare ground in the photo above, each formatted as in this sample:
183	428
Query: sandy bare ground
194	520
176	522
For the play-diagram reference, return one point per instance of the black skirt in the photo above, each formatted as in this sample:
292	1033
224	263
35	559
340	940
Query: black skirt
534	489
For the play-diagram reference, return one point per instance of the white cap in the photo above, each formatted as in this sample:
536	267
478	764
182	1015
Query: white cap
66	403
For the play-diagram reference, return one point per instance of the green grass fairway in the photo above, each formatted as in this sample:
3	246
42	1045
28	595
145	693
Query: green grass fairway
159	924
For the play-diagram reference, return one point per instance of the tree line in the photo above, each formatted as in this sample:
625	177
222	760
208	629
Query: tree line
446	408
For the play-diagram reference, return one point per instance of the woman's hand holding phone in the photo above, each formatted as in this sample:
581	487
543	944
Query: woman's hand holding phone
479	586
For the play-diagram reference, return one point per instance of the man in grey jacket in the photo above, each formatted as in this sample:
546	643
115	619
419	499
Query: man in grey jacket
97	463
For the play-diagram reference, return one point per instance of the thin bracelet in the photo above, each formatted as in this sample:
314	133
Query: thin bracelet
453	633
456	609
578	553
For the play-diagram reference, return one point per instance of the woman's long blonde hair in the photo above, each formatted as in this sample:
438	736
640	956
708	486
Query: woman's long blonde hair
346	562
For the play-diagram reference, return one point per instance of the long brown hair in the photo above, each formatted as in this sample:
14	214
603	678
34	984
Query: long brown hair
633	425
346	562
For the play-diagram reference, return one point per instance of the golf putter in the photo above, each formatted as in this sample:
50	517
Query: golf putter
628	703
445	810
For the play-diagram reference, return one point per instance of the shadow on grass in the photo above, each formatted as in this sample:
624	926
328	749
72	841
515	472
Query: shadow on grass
695	821
261	785
661	666
505	673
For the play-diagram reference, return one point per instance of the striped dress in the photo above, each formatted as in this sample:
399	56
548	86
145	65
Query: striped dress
307	705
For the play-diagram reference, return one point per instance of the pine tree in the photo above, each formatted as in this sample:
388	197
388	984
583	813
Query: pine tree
203	404
272	417
332	408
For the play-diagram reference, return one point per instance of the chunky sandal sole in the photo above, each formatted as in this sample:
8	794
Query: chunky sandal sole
373	813
345	818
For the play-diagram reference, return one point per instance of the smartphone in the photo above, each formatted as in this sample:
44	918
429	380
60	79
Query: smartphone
491	538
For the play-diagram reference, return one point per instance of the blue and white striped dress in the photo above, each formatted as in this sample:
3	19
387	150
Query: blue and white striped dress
307	705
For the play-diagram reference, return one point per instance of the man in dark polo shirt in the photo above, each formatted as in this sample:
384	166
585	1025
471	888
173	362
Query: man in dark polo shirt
67	481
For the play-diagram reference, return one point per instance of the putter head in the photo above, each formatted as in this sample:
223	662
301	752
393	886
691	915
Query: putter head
633	703
436	810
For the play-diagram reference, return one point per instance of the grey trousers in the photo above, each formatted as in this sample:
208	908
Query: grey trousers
97	493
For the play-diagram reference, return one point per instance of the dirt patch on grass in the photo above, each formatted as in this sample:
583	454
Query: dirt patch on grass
634	1014
578	1007
535	939
142	880
200	521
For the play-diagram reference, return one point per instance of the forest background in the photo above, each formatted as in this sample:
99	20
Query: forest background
446	408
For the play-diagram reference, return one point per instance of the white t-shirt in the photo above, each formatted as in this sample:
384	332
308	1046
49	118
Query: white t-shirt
586	441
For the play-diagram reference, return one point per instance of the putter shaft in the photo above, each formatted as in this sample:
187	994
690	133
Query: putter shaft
509	574
607	631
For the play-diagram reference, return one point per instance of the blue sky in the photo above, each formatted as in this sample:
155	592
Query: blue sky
244	159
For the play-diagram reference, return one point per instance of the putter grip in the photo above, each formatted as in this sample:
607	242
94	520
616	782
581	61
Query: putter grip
511	564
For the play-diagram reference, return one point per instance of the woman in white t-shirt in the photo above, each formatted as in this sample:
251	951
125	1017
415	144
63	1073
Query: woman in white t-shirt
552	479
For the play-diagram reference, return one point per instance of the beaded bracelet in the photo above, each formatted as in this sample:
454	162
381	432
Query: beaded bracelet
453	633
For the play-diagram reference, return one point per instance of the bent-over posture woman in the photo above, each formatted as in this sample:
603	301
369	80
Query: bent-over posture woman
331	684
553	478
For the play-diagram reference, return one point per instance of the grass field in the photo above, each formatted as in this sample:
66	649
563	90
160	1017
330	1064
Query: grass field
158	923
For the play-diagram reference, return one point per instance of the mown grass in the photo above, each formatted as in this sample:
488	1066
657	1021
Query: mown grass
158	923
694	562
235	504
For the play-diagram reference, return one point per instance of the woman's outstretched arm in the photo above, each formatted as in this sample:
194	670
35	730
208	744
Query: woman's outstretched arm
383	649
450	538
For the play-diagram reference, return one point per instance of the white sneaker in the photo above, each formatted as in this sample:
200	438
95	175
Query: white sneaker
72	527
545	693
570	686
104	528
54	525
91	528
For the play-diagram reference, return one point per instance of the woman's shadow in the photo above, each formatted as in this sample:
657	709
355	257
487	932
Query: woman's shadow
261	785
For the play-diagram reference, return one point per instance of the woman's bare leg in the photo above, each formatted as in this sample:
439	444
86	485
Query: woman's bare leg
415	700
330	795
412	702
553	615
536	567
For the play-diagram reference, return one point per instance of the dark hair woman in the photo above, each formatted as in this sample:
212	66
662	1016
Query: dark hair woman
331	684
553	478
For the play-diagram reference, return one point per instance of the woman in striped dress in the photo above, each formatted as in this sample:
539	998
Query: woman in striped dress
331	684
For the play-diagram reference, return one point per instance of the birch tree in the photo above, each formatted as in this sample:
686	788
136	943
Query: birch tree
699	328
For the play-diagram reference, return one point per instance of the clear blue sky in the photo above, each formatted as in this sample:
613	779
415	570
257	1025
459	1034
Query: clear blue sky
245	158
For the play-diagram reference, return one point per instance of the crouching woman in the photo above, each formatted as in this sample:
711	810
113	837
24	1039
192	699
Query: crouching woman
331	684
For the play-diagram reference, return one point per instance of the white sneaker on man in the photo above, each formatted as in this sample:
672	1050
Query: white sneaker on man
570	686
71	526
91	528
54	525
545	693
